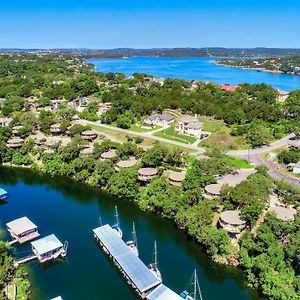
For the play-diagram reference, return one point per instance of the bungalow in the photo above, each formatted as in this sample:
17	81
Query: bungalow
231	221
3	194
228	88
15	129
89	135
15	143
49	248
189	125
176	178
126	164
146	174
109	154
296	168
282	96
5	121
55	128
158	120
22	230
213	190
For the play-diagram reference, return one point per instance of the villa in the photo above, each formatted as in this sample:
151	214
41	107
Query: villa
231	221
89	135
213	190
109	154
126	164
5	121
228	88
176	178
158	120
189	125
146	174
15	143
15	129
55	128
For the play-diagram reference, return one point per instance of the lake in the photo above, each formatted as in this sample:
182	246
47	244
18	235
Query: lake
71	210
194	68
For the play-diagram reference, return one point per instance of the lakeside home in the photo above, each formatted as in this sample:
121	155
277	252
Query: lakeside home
231	221
55	128
176	178
126	164
189	125
109	154
146	174
15	143
213	190
158	120
89	135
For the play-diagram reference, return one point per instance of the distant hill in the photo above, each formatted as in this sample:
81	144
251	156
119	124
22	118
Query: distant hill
167	52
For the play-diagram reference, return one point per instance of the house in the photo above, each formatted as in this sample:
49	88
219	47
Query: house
55	128
15	129
228	88
109	154
282	95
89	135
104	107
213	190
176	178
15	143
146	174
189	125
126	164
158	120
22	230
296	168
231	221
5	121
48	248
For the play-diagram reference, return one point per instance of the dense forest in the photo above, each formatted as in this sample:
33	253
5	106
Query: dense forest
268	250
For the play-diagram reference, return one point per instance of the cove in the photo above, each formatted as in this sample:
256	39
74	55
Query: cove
202	68
71	210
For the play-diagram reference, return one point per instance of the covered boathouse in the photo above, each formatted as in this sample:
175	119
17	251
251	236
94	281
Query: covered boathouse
22	230
163	293
3	194
139	277
48	248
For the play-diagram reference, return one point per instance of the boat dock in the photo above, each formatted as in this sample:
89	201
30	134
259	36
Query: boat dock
25	259
138	276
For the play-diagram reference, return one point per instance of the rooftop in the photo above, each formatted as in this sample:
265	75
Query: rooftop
232	217
284	213
188	119
163	293
177	176
228	88
165	117
109	154
3	192
148	171
127	163
214	189
46	244
133	267
196	125
21	225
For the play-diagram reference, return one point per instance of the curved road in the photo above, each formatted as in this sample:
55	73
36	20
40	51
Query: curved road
252	155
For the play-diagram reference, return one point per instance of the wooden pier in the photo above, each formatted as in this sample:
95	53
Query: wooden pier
25	259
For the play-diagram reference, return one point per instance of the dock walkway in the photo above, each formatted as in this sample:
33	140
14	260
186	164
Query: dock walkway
25	259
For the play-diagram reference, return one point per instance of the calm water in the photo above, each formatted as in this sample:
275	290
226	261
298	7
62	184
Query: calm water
194	68
71	210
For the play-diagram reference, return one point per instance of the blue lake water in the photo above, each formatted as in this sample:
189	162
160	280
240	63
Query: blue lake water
194	68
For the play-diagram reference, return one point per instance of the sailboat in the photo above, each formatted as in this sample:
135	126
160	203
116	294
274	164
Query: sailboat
193	291
117	226
154	266
133	243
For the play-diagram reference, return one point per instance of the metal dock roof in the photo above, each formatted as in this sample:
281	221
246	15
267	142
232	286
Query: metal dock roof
46	244
134	268
21	225
163	293
3	192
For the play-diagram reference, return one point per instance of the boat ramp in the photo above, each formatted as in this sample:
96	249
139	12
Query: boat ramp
138	276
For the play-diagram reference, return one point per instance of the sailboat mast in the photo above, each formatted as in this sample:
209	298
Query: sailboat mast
117	216
155	255
134	235
195	285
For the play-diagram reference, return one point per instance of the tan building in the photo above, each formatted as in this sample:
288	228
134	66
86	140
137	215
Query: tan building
108	154
125	164
89	135
55	128
213	190
231	221
189	125
284	213
158	120
15	143
146	174
176	178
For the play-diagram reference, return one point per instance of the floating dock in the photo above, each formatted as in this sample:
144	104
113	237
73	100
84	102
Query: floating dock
3	194
138	276
22	230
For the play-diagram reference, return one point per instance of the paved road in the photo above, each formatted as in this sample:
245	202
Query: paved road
252	154
142	134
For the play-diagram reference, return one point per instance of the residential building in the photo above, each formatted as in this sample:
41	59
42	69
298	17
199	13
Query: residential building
189	125
158	120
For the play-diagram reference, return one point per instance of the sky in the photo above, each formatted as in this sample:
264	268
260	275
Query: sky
106	24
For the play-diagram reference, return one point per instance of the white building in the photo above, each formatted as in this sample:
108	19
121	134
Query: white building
158	120
189	125
296	168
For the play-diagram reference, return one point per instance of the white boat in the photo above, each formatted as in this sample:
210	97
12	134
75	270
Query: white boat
193	291
117	226
154	266
132	244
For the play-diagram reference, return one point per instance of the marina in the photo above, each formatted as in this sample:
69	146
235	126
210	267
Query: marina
86	272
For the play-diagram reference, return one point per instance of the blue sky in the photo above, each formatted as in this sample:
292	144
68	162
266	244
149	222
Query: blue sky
149	24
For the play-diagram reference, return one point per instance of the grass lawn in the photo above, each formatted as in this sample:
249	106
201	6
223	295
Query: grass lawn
171	134
137	128
239	163
210	124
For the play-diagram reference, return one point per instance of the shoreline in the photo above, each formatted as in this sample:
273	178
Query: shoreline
255	69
